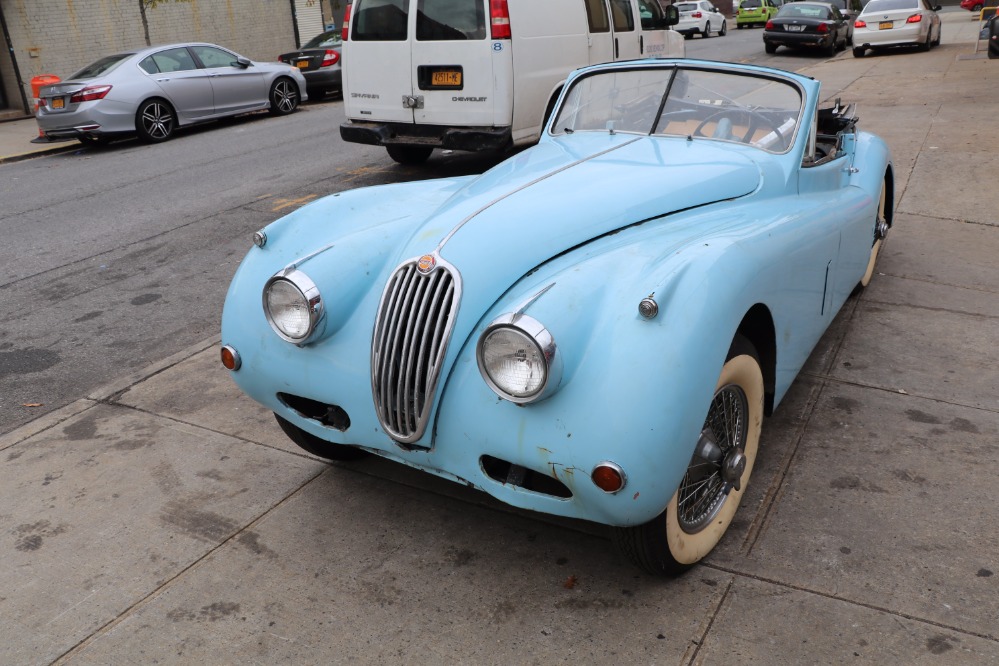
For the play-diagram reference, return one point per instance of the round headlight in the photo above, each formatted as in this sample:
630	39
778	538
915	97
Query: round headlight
516	356
293	306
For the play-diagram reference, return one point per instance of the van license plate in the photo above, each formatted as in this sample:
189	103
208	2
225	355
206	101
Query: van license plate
58	103
449	79
885	25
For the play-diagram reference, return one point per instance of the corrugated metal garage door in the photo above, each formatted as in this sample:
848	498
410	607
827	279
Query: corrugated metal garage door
309	17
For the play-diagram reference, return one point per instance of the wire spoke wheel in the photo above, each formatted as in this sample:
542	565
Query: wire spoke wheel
716	476
704	488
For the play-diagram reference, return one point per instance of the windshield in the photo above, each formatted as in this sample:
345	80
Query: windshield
325	40
102	66
676	101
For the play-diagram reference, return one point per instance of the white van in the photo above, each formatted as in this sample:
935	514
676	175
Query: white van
479	74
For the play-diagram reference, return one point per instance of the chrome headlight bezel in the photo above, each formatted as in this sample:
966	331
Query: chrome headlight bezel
310	298
534	333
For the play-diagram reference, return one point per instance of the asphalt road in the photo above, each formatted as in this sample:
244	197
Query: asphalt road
117	257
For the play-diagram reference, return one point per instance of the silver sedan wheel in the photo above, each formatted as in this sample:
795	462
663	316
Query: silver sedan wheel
284	97
155	121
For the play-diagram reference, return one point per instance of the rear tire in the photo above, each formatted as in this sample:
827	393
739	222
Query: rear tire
858	51
284	97
882	220
671	543
409	154
724	29
155	121
769	48
319	447
707	30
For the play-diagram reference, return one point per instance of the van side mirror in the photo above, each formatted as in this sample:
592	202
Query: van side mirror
672	15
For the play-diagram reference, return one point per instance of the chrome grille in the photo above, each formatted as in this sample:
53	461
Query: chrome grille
411	335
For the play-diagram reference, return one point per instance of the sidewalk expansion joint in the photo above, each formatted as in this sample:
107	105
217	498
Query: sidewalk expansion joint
852	602
697	643
896	391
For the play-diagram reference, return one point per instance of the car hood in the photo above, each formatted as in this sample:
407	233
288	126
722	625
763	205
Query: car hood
562	194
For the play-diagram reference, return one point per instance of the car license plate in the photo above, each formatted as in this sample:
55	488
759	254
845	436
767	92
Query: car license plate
885	25
445	78
796	28
58	103
302	64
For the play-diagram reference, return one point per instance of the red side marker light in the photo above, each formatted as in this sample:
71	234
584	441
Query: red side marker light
608	476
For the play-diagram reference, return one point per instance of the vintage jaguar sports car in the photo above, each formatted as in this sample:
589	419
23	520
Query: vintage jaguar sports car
593	328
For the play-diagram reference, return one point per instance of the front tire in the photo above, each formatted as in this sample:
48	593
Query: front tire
283	96
409	154
702	508
319	447
155	121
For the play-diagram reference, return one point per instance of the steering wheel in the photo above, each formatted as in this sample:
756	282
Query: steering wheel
756	120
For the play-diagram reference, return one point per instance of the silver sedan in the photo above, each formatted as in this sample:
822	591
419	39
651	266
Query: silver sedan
153	91
885	23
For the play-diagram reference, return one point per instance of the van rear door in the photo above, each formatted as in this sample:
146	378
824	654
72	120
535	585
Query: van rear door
378	62
452	64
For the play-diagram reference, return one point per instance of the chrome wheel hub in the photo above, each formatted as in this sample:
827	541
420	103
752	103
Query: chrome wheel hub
718	463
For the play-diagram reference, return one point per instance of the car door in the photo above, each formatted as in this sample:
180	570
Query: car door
654	36
626	37
601	37
235	88
378	62
453	63
183	83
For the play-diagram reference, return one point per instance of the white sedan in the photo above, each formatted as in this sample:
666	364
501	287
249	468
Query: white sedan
700	18
885	23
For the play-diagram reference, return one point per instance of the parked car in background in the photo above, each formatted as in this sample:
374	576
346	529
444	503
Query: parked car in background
594	328
480	74
811	25
153	91
850	9
991	33
755	12
700	18
890	23
319	60
974	6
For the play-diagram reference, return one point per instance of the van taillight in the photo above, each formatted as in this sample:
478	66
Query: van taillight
346	22
499	18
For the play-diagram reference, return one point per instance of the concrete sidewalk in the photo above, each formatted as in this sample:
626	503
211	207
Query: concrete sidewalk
16	141
167	519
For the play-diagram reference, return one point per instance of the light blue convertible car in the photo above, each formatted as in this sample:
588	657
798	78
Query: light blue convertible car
595	327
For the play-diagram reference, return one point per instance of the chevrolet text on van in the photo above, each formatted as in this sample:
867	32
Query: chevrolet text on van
480	74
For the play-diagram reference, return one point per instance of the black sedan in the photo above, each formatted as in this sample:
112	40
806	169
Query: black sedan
319	61
807	25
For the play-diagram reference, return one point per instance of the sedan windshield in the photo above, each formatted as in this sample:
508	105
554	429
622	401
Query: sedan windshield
102	66
719	105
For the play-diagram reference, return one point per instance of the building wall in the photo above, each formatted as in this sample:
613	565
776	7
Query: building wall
61	36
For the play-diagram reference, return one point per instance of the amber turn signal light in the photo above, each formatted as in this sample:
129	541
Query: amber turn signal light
608	477
230	358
